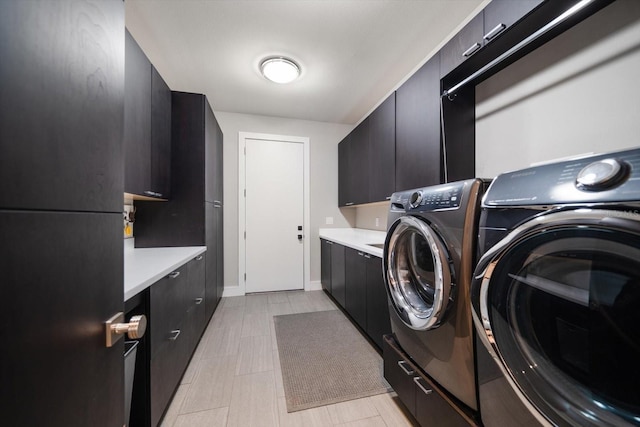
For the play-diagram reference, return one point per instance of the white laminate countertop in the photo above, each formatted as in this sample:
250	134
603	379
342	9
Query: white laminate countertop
356	238
145	266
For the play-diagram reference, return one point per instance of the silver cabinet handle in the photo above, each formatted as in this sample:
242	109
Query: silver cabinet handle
494	32
331	243
367	256
199	301
406	370
152	193
360	253
388	198
467	53
174	274
349	203
175	335
199	258
419	384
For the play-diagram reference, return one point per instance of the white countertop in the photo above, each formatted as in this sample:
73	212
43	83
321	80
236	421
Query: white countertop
145	266
356	238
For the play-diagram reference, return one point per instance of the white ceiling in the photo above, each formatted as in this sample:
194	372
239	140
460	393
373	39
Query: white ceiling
353	53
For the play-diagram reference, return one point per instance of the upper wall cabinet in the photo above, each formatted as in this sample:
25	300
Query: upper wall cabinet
382	150
353	167
418	128
147	126
483	29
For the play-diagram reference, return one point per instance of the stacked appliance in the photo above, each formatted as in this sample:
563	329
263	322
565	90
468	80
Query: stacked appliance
556	294
429	257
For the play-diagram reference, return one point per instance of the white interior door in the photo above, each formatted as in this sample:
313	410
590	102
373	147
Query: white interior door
274	209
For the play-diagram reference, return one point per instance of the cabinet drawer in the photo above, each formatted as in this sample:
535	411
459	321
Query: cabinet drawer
463	45
431	408
167	307
399	373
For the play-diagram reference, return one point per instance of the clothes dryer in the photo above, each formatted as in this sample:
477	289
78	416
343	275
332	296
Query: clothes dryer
428	259
556	294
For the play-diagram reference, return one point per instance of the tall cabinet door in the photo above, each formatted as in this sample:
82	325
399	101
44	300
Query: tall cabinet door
61	187
418	128
61	279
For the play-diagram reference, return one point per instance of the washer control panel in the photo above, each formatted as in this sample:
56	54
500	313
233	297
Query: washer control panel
438	197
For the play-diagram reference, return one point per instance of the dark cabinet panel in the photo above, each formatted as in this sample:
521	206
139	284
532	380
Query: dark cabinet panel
325	264
160	136
430	406
214	267
61	109
219	254
344	172
462	46
501	14
356	286
399	373
338	273
418	128
61	279
137	118
378	323
382	151
214	165
147	126
353	166
195	300
168	304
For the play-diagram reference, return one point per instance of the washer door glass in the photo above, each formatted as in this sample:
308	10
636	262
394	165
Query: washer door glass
417	273
564	309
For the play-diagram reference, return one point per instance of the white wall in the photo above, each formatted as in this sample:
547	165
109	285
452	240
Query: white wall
579	93
323	179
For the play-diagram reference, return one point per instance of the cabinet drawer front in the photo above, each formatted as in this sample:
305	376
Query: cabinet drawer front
167	307
400	376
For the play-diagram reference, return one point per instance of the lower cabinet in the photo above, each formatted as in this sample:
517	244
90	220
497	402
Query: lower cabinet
423	398
354	279
176	323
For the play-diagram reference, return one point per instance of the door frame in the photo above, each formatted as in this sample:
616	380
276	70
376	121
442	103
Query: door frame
242	144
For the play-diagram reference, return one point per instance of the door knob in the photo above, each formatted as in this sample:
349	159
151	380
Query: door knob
116	328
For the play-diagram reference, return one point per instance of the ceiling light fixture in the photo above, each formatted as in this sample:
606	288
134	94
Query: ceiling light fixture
280	70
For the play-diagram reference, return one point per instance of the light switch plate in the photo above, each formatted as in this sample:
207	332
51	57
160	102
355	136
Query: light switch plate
329	220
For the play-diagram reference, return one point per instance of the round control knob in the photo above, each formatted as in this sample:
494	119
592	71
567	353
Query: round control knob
134	329
601	175
415	199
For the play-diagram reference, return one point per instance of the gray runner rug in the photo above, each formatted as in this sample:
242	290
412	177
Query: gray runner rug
325	360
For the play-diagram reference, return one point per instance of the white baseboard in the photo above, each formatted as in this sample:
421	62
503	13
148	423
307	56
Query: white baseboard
316	285
232	291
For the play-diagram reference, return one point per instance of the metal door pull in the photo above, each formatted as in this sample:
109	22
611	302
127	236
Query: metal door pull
419	384
406	370
116	328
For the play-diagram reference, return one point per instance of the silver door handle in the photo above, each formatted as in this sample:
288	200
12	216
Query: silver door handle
174	274
406	370
419	384
175	335
199	258
467	53
199	301
494	32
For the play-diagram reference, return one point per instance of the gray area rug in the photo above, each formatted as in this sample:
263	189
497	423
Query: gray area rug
325	360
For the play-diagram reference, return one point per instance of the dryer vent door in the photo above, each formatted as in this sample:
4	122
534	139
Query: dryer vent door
417	273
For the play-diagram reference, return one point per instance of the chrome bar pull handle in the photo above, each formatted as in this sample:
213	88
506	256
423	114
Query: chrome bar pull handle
174	274
199	258
407	370
199	301
494	32
175	334
419	384
467	53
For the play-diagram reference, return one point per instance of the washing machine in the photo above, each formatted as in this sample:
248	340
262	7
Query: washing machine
428	262
556	294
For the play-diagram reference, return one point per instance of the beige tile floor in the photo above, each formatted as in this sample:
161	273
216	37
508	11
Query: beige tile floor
234	377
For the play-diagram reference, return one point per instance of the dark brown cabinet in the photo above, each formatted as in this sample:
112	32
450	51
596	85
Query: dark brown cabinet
147	126
381	171
354	279
189	219
338	281
418	156
356	286
325	264
176	323
485	27
424	400
353	167
61	185
378	322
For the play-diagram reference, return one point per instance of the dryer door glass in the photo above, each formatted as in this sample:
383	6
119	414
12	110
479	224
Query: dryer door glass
564	310
417	272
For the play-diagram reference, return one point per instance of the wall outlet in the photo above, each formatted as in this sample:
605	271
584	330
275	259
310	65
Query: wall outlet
328	220
129	217
377	222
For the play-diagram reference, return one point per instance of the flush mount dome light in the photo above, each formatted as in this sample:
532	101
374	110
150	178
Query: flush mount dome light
279	69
